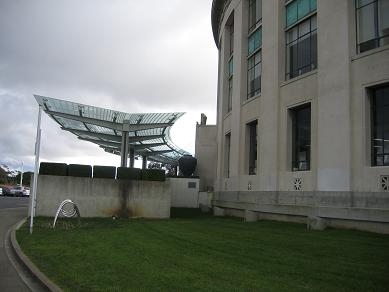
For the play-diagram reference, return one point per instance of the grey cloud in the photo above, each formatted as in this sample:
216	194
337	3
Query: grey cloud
135	56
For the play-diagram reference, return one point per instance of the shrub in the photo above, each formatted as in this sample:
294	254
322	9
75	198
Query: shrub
79	170
153	174
129	173
51	168
104	171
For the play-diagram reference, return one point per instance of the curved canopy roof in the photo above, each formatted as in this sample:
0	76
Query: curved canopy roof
149	133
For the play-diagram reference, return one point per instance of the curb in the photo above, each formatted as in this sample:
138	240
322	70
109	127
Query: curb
30	267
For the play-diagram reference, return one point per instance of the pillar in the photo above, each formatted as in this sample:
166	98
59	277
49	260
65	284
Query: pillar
132	157
124	149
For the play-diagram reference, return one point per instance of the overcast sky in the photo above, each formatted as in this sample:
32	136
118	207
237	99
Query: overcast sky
131	56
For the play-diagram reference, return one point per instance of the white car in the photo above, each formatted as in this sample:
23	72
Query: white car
19	191
1	191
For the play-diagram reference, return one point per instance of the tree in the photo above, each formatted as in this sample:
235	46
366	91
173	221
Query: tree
3	176
26	178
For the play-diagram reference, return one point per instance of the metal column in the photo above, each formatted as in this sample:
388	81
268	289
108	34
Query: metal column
132	157
36	169
124	149
144	162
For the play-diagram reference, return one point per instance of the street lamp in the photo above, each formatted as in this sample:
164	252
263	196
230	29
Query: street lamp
21	176
35	182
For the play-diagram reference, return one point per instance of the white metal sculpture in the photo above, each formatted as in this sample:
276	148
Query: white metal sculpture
66	213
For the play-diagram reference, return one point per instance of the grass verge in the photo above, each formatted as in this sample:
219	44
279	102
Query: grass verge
202	253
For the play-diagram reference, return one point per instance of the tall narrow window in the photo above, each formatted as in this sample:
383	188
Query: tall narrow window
227	153
255	13
380	126
301	136
301	37
252	140
230	64
254	58
230	83
372	24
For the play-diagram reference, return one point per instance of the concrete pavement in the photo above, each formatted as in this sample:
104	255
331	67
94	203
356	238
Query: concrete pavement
12	210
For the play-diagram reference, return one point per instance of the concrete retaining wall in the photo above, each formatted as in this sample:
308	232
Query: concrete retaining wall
184	192
364	211
97	197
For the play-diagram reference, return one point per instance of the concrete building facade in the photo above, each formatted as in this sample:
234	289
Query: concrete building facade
303	109
206	153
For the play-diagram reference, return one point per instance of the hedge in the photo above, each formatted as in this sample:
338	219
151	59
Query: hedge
129	173
51	168
153	174
104	171
79	170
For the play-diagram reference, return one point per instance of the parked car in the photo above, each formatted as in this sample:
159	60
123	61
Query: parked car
1	191
6	191
19	191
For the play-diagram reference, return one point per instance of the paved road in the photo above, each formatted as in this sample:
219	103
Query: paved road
12	210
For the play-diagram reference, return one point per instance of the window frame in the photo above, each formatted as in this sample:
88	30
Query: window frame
227	154
230	79
295	143
309	16
255	92
375	42
230	66
257	27
258	22
252	147
373	128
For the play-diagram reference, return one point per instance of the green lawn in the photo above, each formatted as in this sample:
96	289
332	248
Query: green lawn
205	253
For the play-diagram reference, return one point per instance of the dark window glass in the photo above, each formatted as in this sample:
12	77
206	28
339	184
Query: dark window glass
301	135
255	13
254	64
227	150
380	126
298	9
230	68
254	74
231	39
229	104
301	48
255	41
252	131
372	24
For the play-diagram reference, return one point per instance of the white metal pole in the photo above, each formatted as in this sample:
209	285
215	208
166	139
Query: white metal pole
35	182
21	176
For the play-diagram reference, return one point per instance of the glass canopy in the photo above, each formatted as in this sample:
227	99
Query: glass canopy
148	133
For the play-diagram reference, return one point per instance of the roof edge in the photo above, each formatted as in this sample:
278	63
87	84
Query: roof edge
216	13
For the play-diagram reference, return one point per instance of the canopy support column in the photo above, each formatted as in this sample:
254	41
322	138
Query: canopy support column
144	162
124	149
132	157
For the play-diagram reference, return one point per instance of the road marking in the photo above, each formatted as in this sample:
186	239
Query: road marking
15	208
